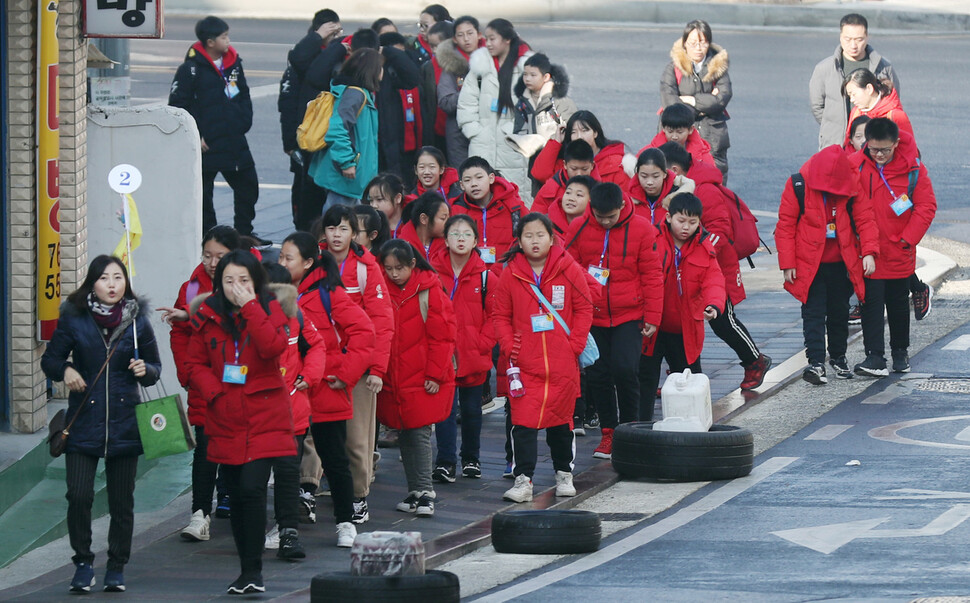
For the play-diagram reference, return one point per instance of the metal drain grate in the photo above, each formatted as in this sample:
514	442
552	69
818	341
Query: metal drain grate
946	386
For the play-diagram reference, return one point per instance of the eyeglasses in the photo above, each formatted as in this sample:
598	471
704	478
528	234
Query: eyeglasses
461	236
882	150
423	26
697	44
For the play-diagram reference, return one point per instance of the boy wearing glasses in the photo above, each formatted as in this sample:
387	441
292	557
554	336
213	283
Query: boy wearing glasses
898	186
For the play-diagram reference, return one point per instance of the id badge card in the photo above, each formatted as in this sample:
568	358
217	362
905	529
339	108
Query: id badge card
235	373
600	274
830	231
409	116
232	90
488	254
541	323
900	205
559	297
494	105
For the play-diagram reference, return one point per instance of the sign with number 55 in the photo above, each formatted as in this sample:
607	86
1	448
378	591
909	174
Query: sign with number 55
123	19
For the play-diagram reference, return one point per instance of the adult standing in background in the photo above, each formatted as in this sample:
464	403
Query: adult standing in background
698	76
829	106
453	56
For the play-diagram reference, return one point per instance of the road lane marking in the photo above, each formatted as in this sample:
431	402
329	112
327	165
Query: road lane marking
900	388
918	494
961	343
648	533
829	432
890	433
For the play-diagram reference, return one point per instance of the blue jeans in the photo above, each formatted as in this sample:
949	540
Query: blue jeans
468	401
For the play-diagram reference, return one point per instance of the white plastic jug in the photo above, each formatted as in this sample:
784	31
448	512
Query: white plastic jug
686	402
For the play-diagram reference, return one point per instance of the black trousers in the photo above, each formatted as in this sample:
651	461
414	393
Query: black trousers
612	380
286	488
827	310
562	448
245	193
671	347
893	295
330	440
119	472
306	197
581	412
203	473
247	485
732	331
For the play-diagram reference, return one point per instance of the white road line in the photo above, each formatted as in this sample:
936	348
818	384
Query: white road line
829	432
648	534
961	343
262	185
900	388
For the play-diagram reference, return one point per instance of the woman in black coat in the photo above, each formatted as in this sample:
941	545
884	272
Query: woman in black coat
102	315
698	76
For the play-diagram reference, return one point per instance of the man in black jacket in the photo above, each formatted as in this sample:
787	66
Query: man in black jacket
309	66
211	85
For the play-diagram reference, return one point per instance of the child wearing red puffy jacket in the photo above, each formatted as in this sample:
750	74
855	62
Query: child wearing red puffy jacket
468	282
420	386
535	342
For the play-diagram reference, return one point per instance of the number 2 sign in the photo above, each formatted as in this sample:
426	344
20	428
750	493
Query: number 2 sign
124	179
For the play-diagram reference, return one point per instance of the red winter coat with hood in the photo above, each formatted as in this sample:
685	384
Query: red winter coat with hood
887	106
698	148
448	187
409	233
800	236
701	282
250	421
548	361
349	338
496	223
422	350
634	287
553	190
898	235
716	220
373	299
197	284
473	309
609	163
656	213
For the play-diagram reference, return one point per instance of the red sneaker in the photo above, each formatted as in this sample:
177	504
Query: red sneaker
605	449
754	373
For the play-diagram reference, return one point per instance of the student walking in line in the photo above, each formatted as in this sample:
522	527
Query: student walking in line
211	85
572	204
619	250
372	228
677	125
609	154
453	56
904	204
386	193
94	352
426	228
349	336
239	334
693	293
827	241
216	243
363	279
421	374
434	175
493	202
542	318
652	186
578	160
466	279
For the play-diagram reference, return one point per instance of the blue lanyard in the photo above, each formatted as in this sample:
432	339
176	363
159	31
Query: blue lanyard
485	226
678	256
342	264
235	345
886	182
606	242
441	190
538	279
427	251
397	228
454	288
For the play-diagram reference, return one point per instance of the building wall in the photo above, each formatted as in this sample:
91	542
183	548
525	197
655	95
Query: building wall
28	411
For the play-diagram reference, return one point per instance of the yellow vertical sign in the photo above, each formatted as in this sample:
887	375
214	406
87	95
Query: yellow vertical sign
48	186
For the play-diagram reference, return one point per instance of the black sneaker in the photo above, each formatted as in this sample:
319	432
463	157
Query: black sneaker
815	374
409	504
361	512
841	368
425	506
471	469
855	315
246	584
308	507
444	474
901	360
922	303
290	547
222	509
873	366
592	422
261	243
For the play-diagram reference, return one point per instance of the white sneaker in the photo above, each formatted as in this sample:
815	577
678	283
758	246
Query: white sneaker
273	539
564	484
198	528
346	533
522	490
493	405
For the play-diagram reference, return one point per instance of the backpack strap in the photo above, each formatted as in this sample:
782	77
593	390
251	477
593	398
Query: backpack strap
302	344
423	304
361	276
325	300
576	236
484	287
798	186
913	178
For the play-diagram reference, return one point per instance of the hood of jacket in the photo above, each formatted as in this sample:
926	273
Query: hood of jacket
197	52
717	61
559	79
831	171
702	172
681	185
451	59
555	263
286	296
420	280
904	159
197	302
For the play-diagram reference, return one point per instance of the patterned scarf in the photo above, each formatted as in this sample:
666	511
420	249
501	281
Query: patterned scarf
107	316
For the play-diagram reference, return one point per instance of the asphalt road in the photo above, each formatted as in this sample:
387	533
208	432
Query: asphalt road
615	72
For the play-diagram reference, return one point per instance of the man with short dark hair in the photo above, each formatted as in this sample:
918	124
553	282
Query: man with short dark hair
897	184
829	106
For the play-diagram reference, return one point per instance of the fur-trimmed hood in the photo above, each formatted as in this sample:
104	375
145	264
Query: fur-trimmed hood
197	302
286	296
560	83
717	61
451	59
682	185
